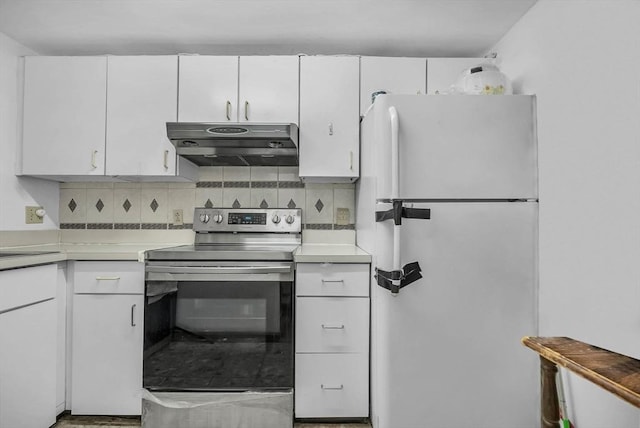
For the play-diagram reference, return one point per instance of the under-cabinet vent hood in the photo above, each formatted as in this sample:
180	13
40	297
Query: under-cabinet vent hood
242	144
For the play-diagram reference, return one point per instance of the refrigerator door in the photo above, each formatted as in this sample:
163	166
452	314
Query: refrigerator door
457	146
447	347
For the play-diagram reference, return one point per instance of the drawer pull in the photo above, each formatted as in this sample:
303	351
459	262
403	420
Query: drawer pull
335	388
133	308
333	327
332	280
107	278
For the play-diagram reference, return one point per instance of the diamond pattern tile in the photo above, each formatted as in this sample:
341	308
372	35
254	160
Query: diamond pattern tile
72	205
126	205
236	204
99	205
319	205
264	204
154	205
291	204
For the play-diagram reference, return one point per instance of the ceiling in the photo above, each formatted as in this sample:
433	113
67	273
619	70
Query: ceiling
367	27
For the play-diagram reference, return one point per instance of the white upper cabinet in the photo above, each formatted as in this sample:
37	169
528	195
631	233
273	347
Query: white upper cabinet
64	111
268	89
392	75
238	89
444	72
142	93
329	118
208	89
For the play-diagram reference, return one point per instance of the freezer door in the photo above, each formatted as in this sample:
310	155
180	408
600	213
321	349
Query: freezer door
447	347
457	147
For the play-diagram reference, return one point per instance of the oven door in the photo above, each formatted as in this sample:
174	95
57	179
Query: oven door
218	326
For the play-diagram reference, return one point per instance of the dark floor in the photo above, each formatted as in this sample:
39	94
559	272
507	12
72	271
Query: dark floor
69	421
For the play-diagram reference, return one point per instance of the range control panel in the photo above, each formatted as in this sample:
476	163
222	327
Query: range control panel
247	220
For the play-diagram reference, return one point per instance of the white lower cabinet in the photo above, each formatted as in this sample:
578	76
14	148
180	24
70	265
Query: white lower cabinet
106	356
332	385
332	340
28	347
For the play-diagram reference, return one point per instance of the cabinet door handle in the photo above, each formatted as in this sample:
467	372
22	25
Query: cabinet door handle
133	308
332	387
246	110
332	327
228	110
350	160
166	159
332	280
107	278
330	128
93	159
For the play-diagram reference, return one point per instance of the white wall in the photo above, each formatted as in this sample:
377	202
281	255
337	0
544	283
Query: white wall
16	193
582	59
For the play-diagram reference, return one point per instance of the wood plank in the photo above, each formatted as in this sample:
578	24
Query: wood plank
616	373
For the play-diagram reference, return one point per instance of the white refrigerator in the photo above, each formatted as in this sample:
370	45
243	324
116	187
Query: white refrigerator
446	329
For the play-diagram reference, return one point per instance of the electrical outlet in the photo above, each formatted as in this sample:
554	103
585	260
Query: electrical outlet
342	216
177	218
31	215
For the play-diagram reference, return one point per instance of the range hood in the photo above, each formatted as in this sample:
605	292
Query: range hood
241	144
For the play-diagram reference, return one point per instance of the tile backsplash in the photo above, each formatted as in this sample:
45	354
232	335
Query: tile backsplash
127	205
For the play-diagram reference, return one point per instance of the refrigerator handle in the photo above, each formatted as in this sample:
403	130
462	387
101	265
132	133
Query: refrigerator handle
395	150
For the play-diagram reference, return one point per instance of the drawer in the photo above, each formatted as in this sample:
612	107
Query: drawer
24	286
332	386
332	279
332	324
108	277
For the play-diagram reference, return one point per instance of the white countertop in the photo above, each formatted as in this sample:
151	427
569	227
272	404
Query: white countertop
330	253
317	247
306	253
64	252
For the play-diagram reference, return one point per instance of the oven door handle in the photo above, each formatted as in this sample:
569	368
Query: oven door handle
236	270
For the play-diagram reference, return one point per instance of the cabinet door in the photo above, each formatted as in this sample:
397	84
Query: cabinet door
268	89
444	72
329	118
106	367
28	347
142	93
208	89
393	75
64	111
28	366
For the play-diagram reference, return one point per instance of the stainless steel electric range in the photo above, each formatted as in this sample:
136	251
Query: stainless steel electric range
219	313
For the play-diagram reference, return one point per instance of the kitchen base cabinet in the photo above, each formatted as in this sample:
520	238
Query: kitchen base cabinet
28	347
332	340
106	365
332	386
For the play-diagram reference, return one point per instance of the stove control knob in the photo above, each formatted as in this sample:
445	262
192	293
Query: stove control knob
289	219
218	218
275	219
204	218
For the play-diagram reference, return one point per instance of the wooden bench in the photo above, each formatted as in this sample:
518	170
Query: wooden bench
617	373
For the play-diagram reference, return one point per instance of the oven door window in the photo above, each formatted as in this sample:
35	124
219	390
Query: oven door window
240	308
218	336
